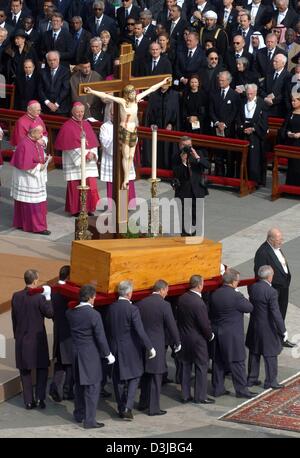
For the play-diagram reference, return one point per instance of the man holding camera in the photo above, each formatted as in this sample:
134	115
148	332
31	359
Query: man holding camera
189	183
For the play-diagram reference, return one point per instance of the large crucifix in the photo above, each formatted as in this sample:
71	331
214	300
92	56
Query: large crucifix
123	140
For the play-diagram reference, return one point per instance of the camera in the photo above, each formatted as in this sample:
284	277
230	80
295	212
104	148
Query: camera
187	150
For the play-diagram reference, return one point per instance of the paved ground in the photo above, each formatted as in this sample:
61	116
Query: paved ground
241	224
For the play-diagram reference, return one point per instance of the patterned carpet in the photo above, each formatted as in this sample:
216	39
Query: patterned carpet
279	409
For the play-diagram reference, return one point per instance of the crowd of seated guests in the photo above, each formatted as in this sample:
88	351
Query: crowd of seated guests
47	48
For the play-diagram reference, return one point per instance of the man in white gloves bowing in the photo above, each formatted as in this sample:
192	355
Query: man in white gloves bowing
89	346
28	310
127	341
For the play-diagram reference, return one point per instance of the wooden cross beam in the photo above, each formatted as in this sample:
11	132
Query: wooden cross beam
116	86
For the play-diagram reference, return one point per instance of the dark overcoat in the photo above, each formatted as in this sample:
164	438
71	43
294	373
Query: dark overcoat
266	326
28	313
227	310
89	343
62	341
157	318
194	328
127	338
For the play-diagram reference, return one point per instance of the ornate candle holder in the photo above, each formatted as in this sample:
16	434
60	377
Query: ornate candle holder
82	232
154	224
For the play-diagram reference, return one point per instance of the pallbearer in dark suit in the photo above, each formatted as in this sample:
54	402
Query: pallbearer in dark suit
62	382
227	308
28	310
89	346
195	331
266	330
157	318
127	339
269	253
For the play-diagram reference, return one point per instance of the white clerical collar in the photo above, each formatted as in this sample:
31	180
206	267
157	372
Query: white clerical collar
61	282
122	298
83	304
196	292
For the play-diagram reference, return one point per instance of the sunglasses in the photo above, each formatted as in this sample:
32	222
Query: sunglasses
130	23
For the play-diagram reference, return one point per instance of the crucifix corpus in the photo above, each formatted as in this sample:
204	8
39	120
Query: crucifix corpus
125	122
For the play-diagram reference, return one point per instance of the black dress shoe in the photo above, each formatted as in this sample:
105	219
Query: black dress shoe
289	344
55	395
255	383
224	393
161	412
166	380
30	405
141	408
41	404
97	425
205	401
185	401
45	232
127	414
276	386
105	394
247	395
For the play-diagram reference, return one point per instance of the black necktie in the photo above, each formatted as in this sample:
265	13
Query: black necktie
223	94
14	21
154	63
27	77
190	53
136	42
237	56
269	55
275	77
244	34
126	13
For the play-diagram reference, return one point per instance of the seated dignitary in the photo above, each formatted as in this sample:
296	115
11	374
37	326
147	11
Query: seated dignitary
266	330
195	332
227	308
89	346
157	318
128	340
28	312
62	382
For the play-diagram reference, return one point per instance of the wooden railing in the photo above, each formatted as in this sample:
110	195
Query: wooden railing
283	151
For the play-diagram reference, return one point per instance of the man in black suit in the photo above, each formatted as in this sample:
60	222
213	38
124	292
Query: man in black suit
54	86
44	23
269	253
62	382
4	24
189	62
59	40
101	61
195	332
165	13
285	15
245	28
223	109
274	89
81	40
227	17
176	26
126	11
141	49
258	12
157	64
227	308
98	22
26	85
266	330
148	27
28	311
32	35
264	57
17	13
3	55
190	187
128	339
89	346
158	319
238	50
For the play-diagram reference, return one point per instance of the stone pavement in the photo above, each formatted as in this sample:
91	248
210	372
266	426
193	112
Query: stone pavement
241	224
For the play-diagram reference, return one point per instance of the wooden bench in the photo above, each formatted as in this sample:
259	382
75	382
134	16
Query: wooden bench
283	151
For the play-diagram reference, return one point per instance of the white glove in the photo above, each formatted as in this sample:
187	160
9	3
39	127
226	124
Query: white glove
47	292
285	336
212	337
177	349
110	358
152	353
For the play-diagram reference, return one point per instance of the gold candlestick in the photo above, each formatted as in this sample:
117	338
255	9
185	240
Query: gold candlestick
154	224
82	232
